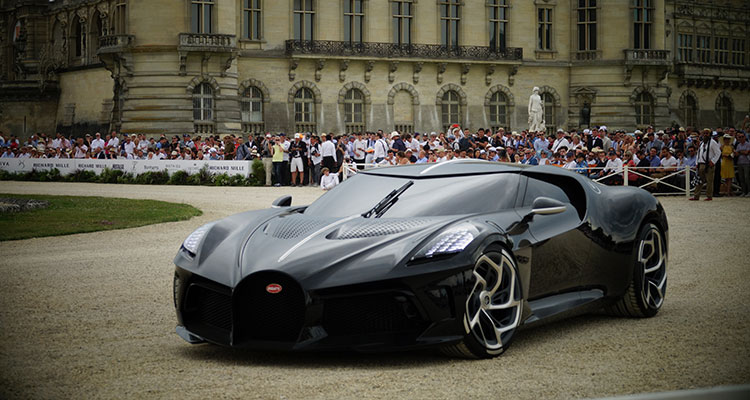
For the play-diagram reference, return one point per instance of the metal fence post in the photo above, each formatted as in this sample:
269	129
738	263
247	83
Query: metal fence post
687	181
625	176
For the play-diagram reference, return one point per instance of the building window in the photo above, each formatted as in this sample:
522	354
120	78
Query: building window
703	48
689	111
354	103
402	19
643	18
550	114
203	102
685	47
354	18
586	25
120	18
738	52
201	13
251	109
304	110
726	111
451	109
251	19
450	17
304	13
498	110
644	109
498	24
721	50
544	28
80	39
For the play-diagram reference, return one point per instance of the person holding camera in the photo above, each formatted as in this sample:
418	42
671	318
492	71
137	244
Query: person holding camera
708	155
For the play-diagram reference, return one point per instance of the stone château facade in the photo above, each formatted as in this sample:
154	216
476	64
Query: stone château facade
231	66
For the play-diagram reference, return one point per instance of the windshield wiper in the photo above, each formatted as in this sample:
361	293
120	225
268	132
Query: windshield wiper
387	202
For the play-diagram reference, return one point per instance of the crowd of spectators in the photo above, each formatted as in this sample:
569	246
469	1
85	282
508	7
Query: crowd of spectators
302	159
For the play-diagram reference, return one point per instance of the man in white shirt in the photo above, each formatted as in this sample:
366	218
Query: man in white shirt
98	142
113	140
381	148
709	153
57	141
129	146
328	152
359	148
328	181
560	141
80	149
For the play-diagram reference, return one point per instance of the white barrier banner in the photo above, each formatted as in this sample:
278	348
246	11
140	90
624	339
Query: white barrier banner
135	167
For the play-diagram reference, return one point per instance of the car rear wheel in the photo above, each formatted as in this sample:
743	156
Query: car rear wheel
648	285
493	307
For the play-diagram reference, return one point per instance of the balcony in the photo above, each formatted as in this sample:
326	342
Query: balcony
395	50
115	44
646	57
717	76
588	55
207	42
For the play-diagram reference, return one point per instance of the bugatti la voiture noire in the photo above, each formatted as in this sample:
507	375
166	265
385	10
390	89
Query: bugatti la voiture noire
455	255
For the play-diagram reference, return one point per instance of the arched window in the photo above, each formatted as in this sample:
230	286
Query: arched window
451	109
644	109
550	114
95	32
252	110
689	111
79	39
403	111
354	104
304	110
726	111
498	110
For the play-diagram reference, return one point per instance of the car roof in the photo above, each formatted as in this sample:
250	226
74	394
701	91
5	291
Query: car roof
455	167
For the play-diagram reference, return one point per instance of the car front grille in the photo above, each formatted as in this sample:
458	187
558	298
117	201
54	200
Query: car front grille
263	315
207	311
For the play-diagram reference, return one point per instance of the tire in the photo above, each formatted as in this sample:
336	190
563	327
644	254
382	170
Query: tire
493	307
648	284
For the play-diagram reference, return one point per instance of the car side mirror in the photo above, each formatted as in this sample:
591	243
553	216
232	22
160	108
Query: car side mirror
547	206
283	201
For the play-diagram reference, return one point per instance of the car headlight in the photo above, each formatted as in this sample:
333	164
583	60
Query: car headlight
453	240
194	240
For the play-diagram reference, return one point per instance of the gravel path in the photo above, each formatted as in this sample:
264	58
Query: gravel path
91	316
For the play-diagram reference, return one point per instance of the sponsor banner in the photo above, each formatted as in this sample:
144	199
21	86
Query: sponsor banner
68	165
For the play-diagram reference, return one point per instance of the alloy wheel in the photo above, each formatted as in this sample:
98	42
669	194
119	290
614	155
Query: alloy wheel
652	258
493	308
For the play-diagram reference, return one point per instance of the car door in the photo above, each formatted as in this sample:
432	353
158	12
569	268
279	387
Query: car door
561	249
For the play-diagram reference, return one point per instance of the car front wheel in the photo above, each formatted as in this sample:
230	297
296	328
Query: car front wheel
493	307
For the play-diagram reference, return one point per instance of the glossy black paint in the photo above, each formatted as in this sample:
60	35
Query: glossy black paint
351	286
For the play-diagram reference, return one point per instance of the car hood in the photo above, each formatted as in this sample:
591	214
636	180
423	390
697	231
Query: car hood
327	252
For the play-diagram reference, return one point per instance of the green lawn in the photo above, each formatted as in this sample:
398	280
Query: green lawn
72	214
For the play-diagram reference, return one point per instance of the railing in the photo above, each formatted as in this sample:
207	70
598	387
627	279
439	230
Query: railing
395	50
209	42
696	9
588	55
115	43
646	56
664	182
405	128
203	128
253	127
303	127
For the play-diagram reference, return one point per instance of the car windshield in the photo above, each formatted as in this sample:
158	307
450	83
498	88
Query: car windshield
427	197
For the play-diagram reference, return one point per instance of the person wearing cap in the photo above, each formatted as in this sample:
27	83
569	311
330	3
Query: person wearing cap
296	150
570	160
560	141
708	155
380	148
528	158
613	169
396	142
328	180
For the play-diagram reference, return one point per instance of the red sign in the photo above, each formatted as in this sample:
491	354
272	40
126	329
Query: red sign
273	288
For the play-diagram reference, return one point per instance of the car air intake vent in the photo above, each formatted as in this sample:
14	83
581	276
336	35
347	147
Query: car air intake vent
296	226
380	227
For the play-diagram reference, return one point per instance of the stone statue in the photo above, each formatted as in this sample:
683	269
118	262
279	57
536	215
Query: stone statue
585	114
536	112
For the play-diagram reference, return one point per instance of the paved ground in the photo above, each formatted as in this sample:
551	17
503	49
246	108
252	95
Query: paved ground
91	316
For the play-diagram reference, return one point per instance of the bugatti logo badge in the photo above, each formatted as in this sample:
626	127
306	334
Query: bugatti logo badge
273	288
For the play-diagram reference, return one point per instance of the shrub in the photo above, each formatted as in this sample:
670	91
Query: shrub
237	180
110	175
179	178
126	178
221	180
152	178
202	177
258	178
83	176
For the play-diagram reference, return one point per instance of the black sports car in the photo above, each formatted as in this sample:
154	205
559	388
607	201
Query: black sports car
455	255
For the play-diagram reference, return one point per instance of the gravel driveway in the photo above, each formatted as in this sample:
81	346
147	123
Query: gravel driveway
91	316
